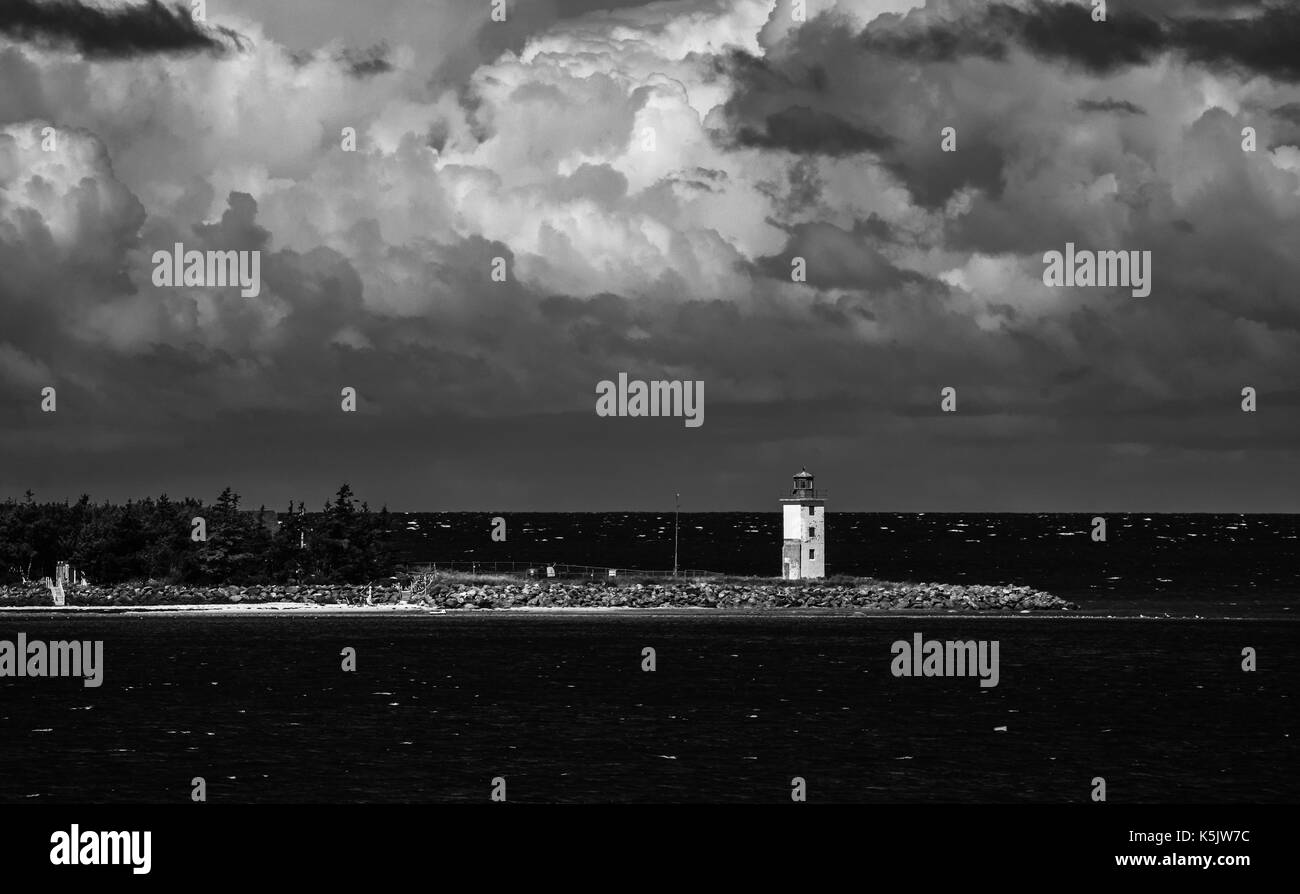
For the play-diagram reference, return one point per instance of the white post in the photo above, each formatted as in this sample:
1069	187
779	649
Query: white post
677	508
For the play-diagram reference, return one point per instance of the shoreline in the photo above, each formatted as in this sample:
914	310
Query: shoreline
308	610
453	592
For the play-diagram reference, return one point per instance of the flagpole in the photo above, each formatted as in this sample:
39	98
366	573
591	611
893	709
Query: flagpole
677	508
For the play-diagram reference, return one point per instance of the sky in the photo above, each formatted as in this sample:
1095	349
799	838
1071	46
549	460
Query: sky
649	173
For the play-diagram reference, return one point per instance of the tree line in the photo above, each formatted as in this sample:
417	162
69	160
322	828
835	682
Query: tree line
159	540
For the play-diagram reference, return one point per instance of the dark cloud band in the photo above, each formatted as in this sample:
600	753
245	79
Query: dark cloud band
147	28
1264	43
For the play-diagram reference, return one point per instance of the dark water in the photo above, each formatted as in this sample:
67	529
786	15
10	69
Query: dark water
739	704
1226	564
558	704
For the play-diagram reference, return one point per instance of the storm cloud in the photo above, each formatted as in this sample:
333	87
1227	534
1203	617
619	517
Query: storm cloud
649	178
149	26
1262	40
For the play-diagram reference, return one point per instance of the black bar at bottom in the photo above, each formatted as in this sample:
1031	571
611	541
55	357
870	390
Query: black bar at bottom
804	844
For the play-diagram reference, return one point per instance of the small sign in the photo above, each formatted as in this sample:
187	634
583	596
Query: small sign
613	573
550	571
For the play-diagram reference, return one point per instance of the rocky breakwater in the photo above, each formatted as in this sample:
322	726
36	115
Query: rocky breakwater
151	593
875	595
755	594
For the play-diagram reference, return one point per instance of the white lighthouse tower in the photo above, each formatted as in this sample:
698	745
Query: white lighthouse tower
803	523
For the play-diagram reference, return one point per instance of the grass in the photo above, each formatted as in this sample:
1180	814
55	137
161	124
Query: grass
466	578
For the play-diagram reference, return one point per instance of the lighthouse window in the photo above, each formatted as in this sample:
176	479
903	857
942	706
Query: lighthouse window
812	553
812	530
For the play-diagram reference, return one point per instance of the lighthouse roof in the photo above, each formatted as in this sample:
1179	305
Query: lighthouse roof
804	474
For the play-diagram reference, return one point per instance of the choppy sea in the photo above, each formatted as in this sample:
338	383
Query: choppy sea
1144	687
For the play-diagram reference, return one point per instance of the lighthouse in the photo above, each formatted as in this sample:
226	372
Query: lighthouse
803	524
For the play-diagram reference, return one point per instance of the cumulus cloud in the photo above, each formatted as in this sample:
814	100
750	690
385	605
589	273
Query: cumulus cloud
648	174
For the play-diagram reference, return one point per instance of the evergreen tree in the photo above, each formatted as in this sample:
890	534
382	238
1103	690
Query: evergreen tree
150	539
